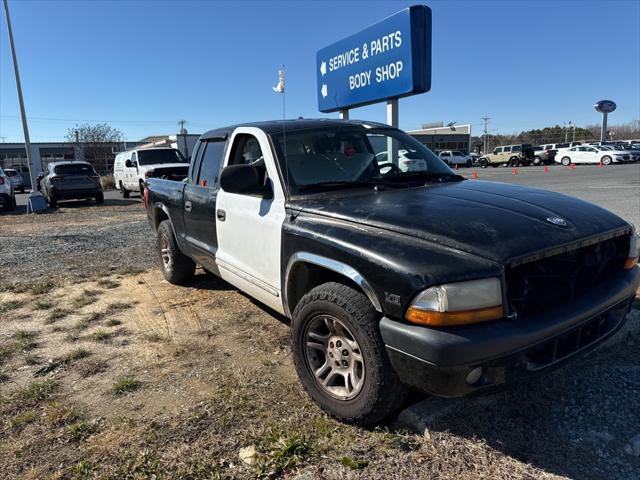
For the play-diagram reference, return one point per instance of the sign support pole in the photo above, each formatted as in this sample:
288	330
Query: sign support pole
344	114
603	130
392	119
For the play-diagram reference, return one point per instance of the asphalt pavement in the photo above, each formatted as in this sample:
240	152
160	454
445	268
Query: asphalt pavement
614	187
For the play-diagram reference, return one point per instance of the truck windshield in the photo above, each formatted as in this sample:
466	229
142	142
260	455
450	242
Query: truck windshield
159	156
338	157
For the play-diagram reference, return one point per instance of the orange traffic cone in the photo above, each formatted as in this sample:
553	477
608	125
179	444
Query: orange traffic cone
546	169
515	170
475	175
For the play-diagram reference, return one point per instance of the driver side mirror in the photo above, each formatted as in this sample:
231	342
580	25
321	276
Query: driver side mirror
244	180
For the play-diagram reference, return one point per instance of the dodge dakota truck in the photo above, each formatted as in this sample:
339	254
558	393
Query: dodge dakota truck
392	278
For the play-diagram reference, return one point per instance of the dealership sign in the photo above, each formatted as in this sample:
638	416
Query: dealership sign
390	59
605	106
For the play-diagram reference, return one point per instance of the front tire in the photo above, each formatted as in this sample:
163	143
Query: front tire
483	163
537	161
566	161
606	160
469	163
123	191
176	267
100	198
340	356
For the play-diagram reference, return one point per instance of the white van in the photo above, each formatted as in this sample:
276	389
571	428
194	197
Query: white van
133	167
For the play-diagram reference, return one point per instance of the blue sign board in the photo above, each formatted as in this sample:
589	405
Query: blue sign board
390	59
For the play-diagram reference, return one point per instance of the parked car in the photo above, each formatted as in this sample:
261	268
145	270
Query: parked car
7	193
392	278
407	161
512	155
593	154
15	178
542	156
70	180
133	167
455	157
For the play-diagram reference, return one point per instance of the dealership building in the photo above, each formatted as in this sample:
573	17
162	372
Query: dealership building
437	137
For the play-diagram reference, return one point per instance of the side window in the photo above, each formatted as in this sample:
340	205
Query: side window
246	151
210	166
194	164
498	150
445	154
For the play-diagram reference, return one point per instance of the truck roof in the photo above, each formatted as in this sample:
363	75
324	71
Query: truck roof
275	126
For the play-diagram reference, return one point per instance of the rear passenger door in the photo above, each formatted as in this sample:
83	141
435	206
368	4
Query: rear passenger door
199	201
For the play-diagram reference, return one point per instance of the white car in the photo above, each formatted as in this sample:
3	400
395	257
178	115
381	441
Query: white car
455	157
592	154
7	193
407	161
133	167
16	179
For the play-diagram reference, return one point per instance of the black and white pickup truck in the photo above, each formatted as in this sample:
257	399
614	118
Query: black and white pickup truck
394	278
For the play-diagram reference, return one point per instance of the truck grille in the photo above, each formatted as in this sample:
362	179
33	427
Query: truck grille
542	285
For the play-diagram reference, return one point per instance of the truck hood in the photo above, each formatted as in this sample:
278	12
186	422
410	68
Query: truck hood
158	166
494	220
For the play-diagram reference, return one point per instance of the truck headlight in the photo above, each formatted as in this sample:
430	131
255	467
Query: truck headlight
634	251
457	303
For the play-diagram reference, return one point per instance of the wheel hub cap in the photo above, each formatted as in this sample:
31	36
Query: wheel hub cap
334	358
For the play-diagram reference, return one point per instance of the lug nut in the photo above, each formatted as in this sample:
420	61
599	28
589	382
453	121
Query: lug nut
331	354
344	363
338	344
345	352
331	344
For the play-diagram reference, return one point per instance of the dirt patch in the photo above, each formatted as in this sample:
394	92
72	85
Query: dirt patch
180	379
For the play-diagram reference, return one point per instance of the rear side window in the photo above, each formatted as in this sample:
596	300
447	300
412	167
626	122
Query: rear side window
74	169
210	166
517	148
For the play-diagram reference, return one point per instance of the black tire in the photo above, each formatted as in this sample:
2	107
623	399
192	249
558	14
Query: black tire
100	198
141	190
483	163
11	206
123	191
606	160
537	160
514	162
53	201
180	268
381	392
566	161
469	163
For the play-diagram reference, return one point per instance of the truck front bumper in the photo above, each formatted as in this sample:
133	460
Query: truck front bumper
459	361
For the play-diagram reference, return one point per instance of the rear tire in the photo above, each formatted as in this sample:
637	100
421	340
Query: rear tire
100	198
123	191
176	267
11	206
361	385
566	161
53	201
514	162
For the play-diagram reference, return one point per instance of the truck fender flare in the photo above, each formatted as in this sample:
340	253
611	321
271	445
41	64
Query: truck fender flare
159	206
338	267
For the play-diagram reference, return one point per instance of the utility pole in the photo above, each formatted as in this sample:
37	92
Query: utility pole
36	201
183	132
486	121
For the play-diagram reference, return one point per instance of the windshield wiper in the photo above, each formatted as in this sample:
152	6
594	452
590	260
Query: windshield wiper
436	176
339	184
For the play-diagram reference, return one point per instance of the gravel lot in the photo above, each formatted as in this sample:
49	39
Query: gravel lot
78	240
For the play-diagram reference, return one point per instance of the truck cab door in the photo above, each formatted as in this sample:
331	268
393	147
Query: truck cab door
199	202
249	226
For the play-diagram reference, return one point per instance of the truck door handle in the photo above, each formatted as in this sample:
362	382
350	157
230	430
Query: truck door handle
187	206
221	214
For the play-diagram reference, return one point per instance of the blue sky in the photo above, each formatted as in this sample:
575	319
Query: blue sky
143	65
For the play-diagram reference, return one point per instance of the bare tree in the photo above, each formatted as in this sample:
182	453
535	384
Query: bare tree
94	143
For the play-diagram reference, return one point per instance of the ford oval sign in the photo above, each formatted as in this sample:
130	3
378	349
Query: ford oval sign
605	106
